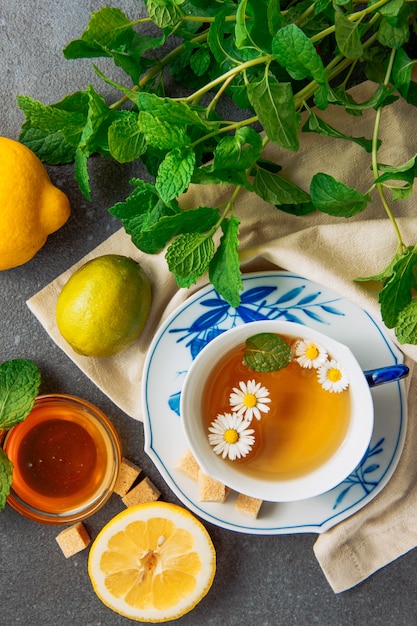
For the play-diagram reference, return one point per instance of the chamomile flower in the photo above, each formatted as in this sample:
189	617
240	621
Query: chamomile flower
333	377
230	436
250	400
309	354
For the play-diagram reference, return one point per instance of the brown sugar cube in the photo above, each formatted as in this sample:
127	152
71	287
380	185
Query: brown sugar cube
127	475
210	489
73	539
188	466
248	506
145	491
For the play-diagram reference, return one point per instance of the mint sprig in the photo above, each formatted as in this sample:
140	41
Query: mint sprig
19	385
6	473
275	60
266	352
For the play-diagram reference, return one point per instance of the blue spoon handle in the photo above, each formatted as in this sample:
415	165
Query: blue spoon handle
382	375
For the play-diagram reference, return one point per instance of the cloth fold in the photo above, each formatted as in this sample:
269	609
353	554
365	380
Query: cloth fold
330	251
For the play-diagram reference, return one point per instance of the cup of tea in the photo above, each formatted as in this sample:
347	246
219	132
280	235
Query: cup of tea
66	456
277	410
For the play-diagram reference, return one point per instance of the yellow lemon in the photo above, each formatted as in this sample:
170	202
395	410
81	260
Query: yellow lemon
153	562
104	305
31	207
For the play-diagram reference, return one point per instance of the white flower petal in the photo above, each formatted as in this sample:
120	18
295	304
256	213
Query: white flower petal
231	421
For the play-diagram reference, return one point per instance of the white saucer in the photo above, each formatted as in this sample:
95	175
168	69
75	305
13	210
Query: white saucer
271	295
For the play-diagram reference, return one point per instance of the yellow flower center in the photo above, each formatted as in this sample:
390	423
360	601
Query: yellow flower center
231	435
250	400
334	375
312	352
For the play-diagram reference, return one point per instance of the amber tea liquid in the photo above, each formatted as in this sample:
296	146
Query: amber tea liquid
303	428
60	458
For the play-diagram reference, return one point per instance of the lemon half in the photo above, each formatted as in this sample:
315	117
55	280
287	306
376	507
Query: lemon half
153	562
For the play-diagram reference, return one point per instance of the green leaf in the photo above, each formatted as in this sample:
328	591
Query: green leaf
316	125
224	271
173	111
273	103
6	473
162	134
296	53
406	329
393	34
174	174
402	71
277	190
19	385
81	172
126	141
54	131
189	256
251	28
274	16
335	198
396	293
110	34
266	352
108	28
154	236
238	152
385	273
348	36
200	61
164	13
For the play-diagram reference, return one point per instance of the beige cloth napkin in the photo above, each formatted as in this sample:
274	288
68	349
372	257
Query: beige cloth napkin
327	250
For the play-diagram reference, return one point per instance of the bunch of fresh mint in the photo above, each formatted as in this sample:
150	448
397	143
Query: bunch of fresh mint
19	385
274	59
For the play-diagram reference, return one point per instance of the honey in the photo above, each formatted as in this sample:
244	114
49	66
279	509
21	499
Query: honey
64	457
305	424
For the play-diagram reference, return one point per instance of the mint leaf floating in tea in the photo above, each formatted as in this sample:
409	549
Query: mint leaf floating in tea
6	469
19	385
266	352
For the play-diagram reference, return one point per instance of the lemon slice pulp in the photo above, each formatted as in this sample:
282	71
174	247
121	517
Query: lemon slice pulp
153	562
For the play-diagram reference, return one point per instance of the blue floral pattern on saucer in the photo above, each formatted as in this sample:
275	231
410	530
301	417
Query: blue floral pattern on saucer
271	295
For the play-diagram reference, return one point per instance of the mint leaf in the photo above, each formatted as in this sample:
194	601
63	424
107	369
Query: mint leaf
238	152
348	36
154	235
406	330
173	111
54	131
126	142
396	293
266	352
293	50
6	471
188	257
163	14
385	273
110	34
160	133
273	103
19	385
224	271
277	190
174	174
335	198
316	125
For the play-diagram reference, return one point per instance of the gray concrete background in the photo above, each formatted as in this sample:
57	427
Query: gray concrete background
261	581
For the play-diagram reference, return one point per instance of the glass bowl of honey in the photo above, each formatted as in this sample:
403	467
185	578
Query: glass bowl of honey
66	457
284	434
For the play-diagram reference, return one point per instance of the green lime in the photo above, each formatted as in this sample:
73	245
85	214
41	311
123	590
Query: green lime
104	305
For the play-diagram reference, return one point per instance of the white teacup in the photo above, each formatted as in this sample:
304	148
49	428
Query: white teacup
299	480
